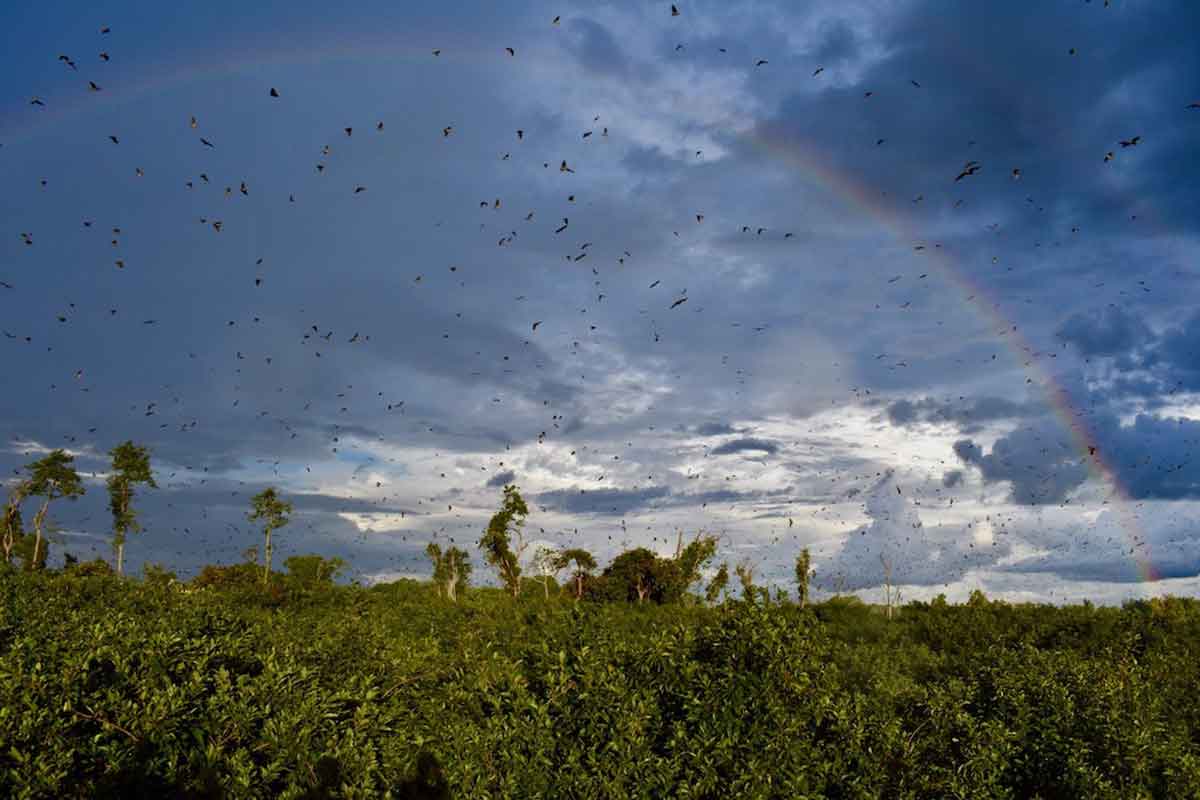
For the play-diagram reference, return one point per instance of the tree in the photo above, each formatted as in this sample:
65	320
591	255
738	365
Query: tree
692	559
13	529
745	573
891	595
51	477
434	551
273	513
451	570
313	571
717	584
803	574
641	575
496	540
130	466
545	561
458	572
584	564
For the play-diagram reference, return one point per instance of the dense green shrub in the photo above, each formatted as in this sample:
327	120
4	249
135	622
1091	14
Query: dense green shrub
138	689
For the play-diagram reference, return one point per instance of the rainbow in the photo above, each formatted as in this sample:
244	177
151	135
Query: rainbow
802	157
808	161
136	81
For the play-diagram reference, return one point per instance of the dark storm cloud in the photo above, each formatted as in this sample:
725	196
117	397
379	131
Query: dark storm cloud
966	414
1037	461
1174	359
1109	332
601	501
1118	547
715	429
952	478
447	291
1152	458
595	47
1055	131
748	444
501	479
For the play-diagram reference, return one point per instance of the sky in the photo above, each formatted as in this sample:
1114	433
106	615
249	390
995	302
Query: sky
903	282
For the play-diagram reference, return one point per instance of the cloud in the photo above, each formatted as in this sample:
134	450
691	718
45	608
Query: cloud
917	555
745	445
1118	546
1109	332
601	501
1151	458
966	414
501	478
714	429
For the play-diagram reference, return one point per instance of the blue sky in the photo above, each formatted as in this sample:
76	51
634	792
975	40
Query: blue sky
875	356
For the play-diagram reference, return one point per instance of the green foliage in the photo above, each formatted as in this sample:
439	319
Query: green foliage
51	477
313	572
124	689
694	558
85	569
636	576
496	541
273	513
12	527
745	574
717	584
584	563
451	570
130	466
158	575
803	574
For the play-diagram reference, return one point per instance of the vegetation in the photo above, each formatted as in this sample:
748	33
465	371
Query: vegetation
246	682
497	540
273	513
218	688
130	467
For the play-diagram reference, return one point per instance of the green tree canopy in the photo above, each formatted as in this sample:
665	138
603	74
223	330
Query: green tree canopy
51	477
638	575
584	564
717	584
313	571
496	542
130	466
273	513
803	574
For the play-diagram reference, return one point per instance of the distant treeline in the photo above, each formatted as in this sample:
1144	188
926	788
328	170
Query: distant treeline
637	575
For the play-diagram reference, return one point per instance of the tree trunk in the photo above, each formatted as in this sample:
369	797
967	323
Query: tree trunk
452	583
121	560
642	589
267	559
579	586
38	519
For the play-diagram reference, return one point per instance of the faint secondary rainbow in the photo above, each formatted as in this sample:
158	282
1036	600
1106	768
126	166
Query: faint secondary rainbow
809	163
137	81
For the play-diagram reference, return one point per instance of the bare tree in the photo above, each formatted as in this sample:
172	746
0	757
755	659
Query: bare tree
891	595
545	561
13	529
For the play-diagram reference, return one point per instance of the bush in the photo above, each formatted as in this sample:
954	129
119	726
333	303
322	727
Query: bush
119	689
